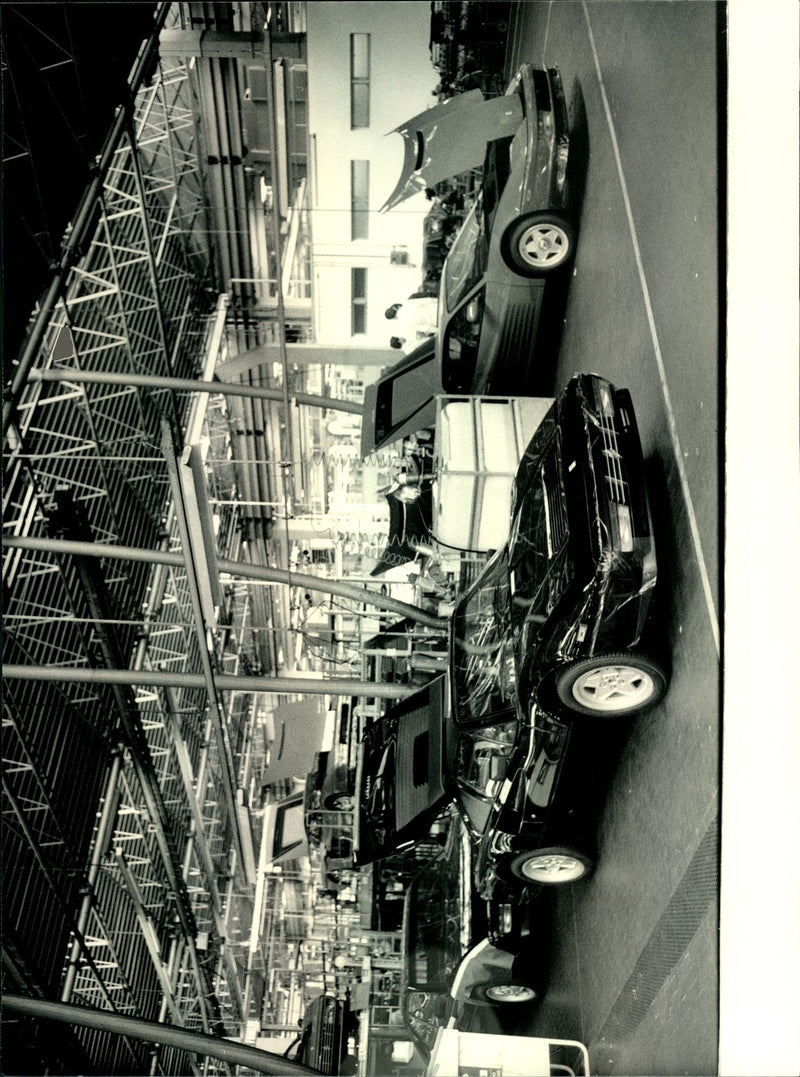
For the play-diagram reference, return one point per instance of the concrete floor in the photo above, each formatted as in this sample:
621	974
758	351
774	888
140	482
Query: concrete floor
634	971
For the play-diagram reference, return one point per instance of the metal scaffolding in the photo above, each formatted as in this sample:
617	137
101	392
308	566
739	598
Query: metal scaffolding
123	810
131	787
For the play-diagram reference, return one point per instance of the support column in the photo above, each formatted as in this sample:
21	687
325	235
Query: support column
305	355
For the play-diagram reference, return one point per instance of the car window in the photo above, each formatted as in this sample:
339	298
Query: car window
538	566
466	261
460	349
496	171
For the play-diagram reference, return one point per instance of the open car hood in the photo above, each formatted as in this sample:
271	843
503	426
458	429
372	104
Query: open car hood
451	138
400	784
401	401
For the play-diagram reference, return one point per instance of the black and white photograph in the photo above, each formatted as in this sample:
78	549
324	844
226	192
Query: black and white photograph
401	505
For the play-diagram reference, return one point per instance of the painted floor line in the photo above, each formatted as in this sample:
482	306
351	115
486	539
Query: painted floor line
673	429
696	893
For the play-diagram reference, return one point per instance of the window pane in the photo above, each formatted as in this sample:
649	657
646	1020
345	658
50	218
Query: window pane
360	224
358	278
360	177
359	319
359	104
359	56
359	199
299	80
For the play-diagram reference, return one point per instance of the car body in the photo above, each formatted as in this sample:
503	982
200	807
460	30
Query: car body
555	623
548	636
450	970
510	255
505	276
581	558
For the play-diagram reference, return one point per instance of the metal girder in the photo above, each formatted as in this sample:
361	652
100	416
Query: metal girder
215	705
150	937
309	686
129	293
152	1032
73	376
235	569
49	873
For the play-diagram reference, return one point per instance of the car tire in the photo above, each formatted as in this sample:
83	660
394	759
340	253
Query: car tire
505	993
556	865
538	244
611	685
339	802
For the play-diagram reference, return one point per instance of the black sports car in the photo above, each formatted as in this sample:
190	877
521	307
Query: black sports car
548	637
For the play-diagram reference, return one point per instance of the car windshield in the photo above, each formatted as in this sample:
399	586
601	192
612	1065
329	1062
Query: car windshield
434	935
539	529
466	262
482	661
467	258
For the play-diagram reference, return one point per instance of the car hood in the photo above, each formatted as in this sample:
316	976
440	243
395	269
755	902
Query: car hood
451	138
400	782
402	401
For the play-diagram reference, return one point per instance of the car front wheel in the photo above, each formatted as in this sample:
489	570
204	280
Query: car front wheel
554	866
505	993
538	244
614	684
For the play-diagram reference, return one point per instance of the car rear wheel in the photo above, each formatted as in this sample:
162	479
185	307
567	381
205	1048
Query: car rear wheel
538	244
339	802
508	993
613	684
554	866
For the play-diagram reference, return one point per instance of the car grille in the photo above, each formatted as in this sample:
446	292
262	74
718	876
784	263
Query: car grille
514	361
327	1043
614	475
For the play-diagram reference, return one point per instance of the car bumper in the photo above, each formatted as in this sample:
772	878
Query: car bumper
544	183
